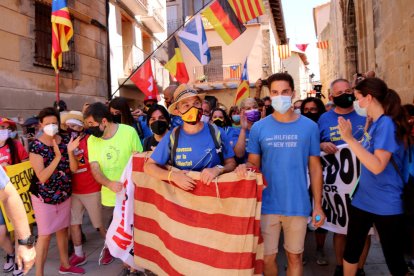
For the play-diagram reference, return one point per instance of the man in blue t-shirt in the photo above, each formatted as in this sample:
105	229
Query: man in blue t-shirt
343	97
285	145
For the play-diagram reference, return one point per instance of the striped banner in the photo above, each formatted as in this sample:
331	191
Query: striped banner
213	230
283	51
322	44
247	10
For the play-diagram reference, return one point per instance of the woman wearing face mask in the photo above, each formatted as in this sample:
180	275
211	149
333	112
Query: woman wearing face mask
234	114
11	152
377	200
159	122
312	108
121	114
195	140
249	115
220	119
53	160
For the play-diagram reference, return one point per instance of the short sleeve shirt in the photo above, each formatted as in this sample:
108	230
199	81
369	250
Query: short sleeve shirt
4	179
5	156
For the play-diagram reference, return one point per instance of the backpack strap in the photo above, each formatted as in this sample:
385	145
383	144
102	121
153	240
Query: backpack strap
216	135
175	134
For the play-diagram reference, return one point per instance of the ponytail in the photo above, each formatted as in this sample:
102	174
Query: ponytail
13	151
393	108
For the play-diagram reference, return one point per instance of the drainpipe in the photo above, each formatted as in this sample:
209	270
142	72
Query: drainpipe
108	55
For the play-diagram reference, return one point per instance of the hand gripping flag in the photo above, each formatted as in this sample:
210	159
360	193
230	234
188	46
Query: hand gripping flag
144	79
243	91
194	37
222	17
247	10
175	64
62	32
212	230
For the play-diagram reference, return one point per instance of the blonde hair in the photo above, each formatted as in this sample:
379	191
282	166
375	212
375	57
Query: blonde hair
248	101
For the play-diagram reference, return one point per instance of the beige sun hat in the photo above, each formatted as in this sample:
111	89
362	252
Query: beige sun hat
182	92
70	117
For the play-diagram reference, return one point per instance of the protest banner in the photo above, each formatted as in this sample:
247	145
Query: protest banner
20	176
340	176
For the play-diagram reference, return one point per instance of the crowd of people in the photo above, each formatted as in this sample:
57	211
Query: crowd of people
78	158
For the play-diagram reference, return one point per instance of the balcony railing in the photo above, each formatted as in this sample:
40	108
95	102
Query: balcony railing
225	72
173	25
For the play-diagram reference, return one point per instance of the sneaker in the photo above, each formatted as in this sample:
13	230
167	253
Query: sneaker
360	272
9	264
75	260
339	270
17	271
72	270
321	258
105	257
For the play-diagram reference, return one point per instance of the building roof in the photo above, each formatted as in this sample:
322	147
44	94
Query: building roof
277	12
302	56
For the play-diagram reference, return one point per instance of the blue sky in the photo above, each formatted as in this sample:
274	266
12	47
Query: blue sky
298	15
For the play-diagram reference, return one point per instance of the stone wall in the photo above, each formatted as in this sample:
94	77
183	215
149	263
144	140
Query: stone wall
26	88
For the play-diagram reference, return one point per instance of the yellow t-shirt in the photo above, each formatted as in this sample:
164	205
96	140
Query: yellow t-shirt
112	156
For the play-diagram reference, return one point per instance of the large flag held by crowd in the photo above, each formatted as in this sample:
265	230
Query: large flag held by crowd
62	32
212	230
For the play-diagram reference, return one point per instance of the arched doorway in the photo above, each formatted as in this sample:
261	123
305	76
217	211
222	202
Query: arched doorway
351	40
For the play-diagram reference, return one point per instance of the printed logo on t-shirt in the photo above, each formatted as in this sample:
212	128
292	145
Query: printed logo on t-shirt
366	140
335	136
283	141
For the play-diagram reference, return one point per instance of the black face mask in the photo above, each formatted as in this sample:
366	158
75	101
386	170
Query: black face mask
269	109
345	100
159	127
218	122
117	118
96	131
313	116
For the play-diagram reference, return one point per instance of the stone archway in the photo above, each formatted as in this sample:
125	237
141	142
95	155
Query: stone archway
351	40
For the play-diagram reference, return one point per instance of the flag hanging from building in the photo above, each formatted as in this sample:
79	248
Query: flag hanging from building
144	79
302	47
243	91
200	232
194	37
62	32
247	10
283	51
175	64
222	17
322	44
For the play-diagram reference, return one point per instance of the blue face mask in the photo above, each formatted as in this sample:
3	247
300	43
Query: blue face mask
281	103
12	134
236	118
360	110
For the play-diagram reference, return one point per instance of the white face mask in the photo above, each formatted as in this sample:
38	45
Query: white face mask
360	110
205	118
281	103
4	134
297	110
12	134
51	130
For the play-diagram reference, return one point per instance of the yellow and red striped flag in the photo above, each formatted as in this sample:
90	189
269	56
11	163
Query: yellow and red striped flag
62	32
212	230
222	17
283	51
243	91
322	44
247	10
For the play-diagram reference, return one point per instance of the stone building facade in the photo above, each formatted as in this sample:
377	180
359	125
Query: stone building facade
368	35
27	80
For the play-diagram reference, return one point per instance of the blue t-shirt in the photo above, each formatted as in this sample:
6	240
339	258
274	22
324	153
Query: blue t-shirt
176	121
145	128
381	194
4	179
285	149
232	134
195	152
328	126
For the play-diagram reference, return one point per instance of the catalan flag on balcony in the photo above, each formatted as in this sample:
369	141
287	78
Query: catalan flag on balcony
222	17
62	32
322	44
283	51
175	64
243	91
247	10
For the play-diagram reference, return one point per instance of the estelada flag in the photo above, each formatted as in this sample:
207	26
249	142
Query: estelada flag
322	44
175	64
222	17
62	32
247	10
144	79
243	90
212	230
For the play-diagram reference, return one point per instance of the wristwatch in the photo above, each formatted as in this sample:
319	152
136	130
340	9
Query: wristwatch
221	168
29	241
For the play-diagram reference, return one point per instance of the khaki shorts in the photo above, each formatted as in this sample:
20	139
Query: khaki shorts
90	202
294	232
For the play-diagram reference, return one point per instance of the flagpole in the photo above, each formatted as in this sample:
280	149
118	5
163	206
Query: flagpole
57	88
159	46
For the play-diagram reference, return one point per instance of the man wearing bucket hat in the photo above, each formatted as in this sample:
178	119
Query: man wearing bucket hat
200	147
86	191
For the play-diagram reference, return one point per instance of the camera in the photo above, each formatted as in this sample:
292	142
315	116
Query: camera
264	82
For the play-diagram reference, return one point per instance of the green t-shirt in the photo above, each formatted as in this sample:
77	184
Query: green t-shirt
112	156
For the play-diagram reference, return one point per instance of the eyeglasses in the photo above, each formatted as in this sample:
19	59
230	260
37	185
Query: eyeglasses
339	93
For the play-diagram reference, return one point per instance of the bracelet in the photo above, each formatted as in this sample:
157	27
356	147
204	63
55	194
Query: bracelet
169	176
